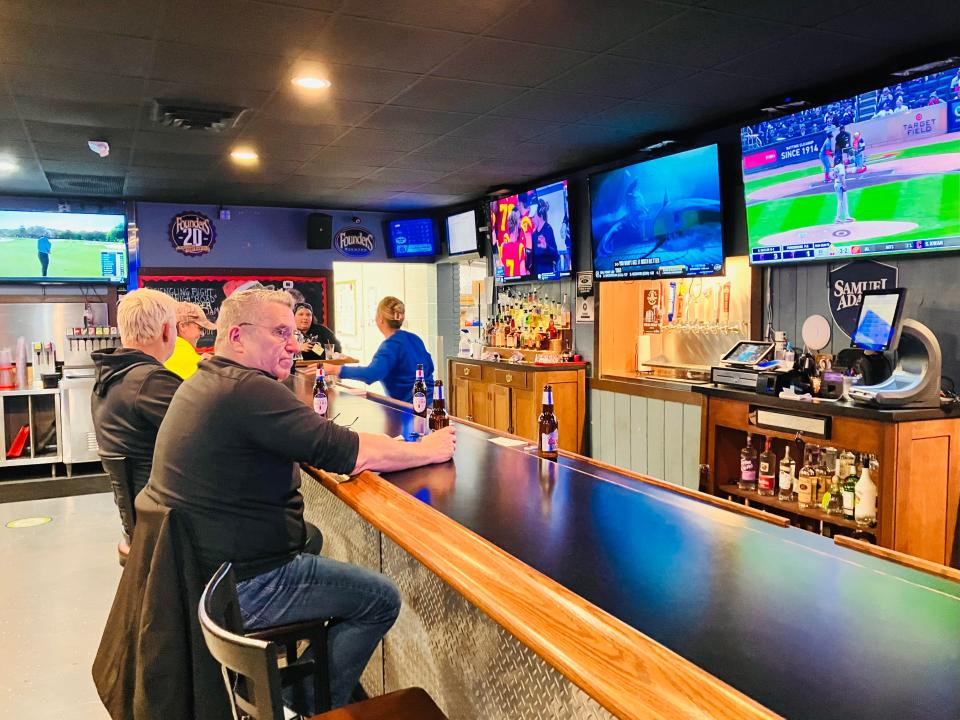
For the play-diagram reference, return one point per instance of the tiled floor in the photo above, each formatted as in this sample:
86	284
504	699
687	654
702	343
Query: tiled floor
57	582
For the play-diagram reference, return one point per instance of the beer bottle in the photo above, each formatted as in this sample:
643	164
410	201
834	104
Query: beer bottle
549	430
420	394
438	416
320	394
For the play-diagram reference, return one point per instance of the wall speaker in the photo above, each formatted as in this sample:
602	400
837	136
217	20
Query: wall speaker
319	231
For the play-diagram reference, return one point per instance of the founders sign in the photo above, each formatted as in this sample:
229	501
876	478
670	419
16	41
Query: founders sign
354	242
192	233
847	283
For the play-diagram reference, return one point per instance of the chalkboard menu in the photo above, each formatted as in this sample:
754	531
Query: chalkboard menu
208	291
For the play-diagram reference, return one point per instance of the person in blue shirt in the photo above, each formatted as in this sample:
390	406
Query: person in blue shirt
43	253
395	362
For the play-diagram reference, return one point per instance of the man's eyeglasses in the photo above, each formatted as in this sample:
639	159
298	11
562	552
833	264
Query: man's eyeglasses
281	332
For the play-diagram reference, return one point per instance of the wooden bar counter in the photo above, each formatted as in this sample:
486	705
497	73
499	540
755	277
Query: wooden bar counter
573	590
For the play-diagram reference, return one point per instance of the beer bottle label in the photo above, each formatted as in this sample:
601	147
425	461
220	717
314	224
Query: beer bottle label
419	402
549	442
748	471
786	480
320	404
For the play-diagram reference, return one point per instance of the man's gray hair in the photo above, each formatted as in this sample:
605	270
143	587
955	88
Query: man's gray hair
245	306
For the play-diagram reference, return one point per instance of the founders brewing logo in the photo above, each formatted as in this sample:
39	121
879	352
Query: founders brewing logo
354	242
192	233
847	284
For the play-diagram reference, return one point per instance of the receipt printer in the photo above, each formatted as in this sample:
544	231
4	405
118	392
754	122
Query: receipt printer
771	383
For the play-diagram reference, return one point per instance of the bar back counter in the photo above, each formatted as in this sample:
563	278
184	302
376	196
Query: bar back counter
573	590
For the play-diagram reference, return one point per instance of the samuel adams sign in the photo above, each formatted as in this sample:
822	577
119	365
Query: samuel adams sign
847	284
354	242
192	233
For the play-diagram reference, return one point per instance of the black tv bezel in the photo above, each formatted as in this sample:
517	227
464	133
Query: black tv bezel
476	232
39	280
901	294
388	245
531	278
656	278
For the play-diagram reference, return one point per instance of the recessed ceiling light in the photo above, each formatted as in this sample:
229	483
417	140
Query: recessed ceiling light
7	167
311	83
244	155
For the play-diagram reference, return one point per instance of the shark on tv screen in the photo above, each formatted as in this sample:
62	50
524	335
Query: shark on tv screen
870	175
659	218
62	247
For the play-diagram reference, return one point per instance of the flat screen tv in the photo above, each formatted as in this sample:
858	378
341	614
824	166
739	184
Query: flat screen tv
411	238
659	218
462	233
871	175
62	247
530	232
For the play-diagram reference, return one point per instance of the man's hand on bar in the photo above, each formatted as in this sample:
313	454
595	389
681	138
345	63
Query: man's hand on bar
384	454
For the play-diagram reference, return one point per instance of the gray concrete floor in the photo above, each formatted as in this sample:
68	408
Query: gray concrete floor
57	582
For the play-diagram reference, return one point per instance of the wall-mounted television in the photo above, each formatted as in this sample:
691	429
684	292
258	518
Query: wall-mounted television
530	232
462	235
873	174
62	247
411	238
659	218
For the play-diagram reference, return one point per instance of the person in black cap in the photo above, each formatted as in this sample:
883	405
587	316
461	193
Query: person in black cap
313	336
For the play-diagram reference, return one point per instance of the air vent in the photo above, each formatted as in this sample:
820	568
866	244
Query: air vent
109	185
192	115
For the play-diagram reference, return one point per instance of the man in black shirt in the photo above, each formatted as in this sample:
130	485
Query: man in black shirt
314	336
133	389
226	460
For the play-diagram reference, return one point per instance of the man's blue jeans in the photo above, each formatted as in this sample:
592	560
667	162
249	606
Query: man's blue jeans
310	587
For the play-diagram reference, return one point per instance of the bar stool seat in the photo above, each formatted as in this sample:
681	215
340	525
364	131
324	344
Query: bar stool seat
252	674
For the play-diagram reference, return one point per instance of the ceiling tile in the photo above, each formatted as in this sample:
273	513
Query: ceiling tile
503	61
12	131
925	23
77	134
729	37
265	129
433	93
206	94
341	171
130	17
555	106
244	25
37	81
489	127
401	118
14	149
71	48
79	168
185	161
452	185
70	112
406	177
357	41
617	77
591	136
415	200
641	115
329	112
716	90
119	157
352	82
184	141
430	159
471	148
177	62
467	16
384	139
335	156
808	12
568	24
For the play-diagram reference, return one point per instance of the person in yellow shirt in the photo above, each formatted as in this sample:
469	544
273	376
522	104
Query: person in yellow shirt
191	322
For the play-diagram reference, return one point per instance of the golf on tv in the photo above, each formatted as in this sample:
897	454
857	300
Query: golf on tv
870	175
62	247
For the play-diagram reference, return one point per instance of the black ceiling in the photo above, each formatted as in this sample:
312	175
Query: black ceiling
433	101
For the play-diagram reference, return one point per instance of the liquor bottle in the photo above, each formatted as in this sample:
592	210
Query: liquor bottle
807	477
834	501
849	492
865	498
825	470
767	478
552	329
549	429
565	313
420	394
748	466
787	470
320	394
847	460
438	415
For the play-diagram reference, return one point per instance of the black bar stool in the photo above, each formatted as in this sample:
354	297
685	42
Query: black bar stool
251	665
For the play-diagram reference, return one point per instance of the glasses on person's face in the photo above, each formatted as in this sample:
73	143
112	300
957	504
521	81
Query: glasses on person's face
281	333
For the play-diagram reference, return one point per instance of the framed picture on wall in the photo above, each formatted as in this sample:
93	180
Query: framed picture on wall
345	301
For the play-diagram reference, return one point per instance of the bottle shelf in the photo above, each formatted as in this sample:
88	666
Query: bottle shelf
772	501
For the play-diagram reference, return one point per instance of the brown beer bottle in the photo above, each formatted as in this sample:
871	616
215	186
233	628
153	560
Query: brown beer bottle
420	394
549	430
438	416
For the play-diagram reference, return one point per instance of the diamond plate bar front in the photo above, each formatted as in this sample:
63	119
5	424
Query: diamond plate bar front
471	666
